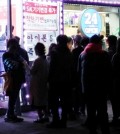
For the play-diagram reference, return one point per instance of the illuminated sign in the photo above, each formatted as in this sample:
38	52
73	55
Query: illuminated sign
32	37
39	16
99	2
42	22
91	22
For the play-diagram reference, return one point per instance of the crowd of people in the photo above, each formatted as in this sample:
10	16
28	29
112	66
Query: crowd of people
78	80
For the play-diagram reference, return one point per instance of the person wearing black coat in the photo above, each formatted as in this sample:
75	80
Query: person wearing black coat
60	80
24	90
112	42
77	95
13	64
95	68
116	81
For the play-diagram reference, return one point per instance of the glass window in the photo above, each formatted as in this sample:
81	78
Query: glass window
73	13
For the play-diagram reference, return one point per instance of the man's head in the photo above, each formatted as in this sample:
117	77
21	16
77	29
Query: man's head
112	40
95	39
62	40
12	45
40	49
17	38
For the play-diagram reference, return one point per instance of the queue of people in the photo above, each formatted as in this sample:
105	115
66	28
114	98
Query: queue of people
79	81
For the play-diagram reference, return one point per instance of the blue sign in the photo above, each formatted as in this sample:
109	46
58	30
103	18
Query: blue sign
91	22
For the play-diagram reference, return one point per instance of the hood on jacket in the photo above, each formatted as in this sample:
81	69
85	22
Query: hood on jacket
91	47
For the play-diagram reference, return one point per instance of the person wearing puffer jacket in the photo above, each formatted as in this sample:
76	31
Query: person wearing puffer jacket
95	68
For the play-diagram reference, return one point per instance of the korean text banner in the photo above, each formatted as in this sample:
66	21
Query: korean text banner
39	16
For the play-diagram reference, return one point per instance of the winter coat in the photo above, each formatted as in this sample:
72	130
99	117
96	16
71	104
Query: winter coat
24	54
60	72
116	74
96	71
38	83
76	52
111	52
116	65
14	64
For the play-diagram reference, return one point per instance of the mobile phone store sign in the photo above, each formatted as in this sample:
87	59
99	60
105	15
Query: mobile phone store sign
38	16
90	22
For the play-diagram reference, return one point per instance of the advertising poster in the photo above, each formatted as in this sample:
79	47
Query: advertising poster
40	24
39	16
45	37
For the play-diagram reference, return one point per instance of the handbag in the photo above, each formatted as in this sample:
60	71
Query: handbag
8	83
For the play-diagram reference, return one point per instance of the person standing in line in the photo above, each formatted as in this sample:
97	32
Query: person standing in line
84	41
77	86
116	82
71	114
38	83
60	80
79	33
23	53
70	43
52	48
95	67
103	42
112	42
13	64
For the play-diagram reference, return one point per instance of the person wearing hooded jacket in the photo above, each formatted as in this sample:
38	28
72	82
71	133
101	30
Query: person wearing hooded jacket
95	68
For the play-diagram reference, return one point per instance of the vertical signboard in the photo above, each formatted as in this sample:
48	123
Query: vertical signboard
40	24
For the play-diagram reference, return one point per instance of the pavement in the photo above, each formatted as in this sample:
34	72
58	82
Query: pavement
28	127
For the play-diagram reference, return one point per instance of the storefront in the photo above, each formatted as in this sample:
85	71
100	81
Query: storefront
91	17
44	20
33	21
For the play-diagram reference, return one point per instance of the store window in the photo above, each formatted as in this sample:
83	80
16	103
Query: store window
109	17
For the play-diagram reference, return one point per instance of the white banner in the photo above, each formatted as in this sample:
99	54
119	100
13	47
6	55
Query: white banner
32	38
40	22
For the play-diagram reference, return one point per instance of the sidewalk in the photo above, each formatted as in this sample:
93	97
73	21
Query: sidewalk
28	127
